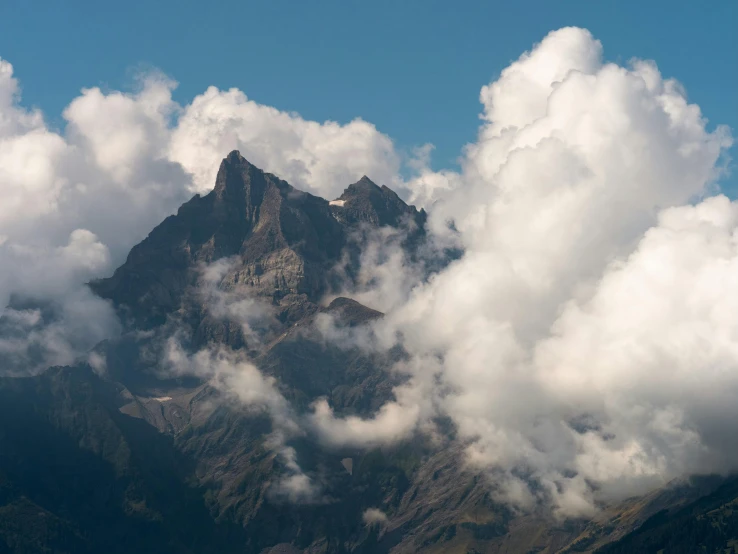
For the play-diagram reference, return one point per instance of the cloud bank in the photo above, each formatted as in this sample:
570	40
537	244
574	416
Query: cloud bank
582	344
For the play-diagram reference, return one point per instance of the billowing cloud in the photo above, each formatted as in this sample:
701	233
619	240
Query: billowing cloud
583	336
106	174
651	356
73	206
54	317
321	158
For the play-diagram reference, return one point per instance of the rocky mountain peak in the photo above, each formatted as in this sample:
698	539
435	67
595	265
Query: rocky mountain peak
365	183
367	202
240	187
235	156
283	243
234	174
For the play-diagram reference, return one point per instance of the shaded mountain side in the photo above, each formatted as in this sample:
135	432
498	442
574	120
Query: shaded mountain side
242	477
307	366
76	475
708	524
116	484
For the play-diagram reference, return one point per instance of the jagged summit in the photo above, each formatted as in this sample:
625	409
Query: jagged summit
365	201
364	182
233	156
239	180
234	172
285	242
364	186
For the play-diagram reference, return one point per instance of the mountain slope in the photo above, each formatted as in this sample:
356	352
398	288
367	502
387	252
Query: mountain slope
708	524
76	475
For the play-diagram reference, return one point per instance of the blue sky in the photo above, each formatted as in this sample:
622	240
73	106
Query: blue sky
414	68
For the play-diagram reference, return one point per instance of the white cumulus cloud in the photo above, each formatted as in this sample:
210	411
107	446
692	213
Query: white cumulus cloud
584	335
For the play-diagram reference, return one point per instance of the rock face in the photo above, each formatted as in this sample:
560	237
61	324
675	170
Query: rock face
365	202
133	462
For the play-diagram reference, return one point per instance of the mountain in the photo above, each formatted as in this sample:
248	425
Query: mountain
286	241
133	458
